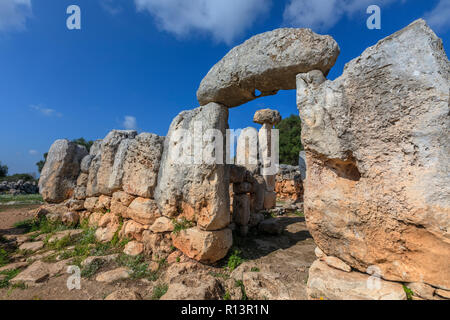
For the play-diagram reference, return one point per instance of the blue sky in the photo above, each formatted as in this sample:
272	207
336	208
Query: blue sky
138	63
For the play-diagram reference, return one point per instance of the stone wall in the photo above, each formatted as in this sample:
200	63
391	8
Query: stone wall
19	187
289	185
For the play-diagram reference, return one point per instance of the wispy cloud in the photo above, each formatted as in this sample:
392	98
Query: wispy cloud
439	17
321	15
13	14
33	152
46	111
111	7
224	20
130	123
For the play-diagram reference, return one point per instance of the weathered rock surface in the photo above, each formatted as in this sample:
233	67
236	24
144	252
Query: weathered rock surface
106	170
124	294
288	185
133	248
271	226
34	274
267	62
62	167
332	284
191	287
378	185
114	275
195	182
267	116
144	211
32	246
264	286
142	165
203	246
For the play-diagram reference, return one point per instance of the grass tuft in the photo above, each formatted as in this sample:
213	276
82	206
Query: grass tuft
159	291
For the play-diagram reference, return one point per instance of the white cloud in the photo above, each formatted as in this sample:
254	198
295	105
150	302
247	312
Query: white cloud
13	14
46	111
439	17
225	20
321	15
33	152
130	123
111	7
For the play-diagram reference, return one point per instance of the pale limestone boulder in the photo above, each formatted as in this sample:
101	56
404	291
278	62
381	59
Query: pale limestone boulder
144	211
196	186
267	62
336	263
32	246
142	165
377	187
161	225
106	169
265	286
120	202
422	290
90	203
114	275
160	245
62	167
328	283
203	246
134	248
194	287
132	230
33	275
106	234
267	116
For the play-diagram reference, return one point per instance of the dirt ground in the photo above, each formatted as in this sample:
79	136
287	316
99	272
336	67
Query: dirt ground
289	255
9	215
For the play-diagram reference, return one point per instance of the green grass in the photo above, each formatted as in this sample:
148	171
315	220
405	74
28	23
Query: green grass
234	260
4	257
299	214
138	266
227	296
21	198
159	291
254	269
240	284
409	292
92	268
42	225
182	224
10	274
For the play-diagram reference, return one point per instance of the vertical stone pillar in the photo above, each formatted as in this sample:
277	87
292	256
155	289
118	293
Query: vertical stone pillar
268	152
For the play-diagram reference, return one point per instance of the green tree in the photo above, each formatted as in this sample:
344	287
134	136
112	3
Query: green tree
84	142
41	163
290	139
3	170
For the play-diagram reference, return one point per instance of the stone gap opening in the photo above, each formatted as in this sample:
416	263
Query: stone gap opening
252	194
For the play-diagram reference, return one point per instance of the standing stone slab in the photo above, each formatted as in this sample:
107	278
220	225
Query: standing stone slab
142	165
193	187
62	167
267	62
106	170
377	149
